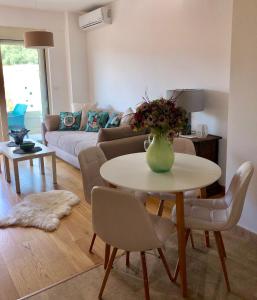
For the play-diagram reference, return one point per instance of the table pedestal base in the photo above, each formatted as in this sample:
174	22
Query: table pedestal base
181	241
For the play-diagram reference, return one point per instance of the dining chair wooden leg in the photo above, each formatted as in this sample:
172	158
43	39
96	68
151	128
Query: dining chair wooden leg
107	272
175	276
222	244
127	259
164	261
222	260
107	255
144	268
92	243
192	239
207	239
160	208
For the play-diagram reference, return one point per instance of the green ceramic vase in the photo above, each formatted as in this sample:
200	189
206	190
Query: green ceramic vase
160	154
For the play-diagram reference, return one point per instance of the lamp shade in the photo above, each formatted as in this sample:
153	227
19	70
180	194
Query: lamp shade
190	100
38	39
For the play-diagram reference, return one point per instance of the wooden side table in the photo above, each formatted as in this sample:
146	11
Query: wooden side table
8	154
208	148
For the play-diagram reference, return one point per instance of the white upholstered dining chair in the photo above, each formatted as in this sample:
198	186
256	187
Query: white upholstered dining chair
218	215
122	221
186	146
91	160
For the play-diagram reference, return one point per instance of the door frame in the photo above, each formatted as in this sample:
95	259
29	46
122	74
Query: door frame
3	111
43	73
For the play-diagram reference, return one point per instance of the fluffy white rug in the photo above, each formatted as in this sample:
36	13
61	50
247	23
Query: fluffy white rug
42	210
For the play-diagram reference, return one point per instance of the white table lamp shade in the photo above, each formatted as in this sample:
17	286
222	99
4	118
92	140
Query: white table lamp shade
191	100
38	39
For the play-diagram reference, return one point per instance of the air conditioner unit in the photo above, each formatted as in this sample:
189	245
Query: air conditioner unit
95	18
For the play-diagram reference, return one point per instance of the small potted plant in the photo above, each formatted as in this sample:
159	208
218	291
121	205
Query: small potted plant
164	120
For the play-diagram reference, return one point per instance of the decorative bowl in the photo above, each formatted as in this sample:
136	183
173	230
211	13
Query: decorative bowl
18	135
27	146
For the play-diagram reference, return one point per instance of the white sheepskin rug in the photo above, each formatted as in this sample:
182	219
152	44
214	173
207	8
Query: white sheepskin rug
42	210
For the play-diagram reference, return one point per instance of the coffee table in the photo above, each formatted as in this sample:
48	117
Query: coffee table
8	154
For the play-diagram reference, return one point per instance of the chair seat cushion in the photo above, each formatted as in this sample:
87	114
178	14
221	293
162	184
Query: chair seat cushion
204	214
172	197
187	195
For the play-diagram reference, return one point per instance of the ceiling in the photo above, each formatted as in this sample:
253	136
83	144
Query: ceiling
57	5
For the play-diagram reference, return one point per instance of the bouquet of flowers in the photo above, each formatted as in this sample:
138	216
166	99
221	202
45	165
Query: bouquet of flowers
161	116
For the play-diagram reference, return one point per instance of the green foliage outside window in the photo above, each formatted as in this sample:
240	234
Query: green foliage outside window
17	54
9	105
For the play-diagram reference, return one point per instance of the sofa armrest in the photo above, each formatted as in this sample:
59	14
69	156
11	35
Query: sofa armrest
109	134
52	122
123	146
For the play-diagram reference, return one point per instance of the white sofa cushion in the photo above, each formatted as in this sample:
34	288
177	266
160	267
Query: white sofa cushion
71	141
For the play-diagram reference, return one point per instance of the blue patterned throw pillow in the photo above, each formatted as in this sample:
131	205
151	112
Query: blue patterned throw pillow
114	120
69	120
96	120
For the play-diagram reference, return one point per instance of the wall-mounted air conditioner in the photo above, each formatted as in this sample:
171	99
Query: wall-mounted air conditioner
95	18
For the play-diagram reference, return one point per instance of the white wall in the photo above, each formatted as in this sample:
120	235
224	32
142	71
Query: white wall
76	61
242	120
162	45
56	64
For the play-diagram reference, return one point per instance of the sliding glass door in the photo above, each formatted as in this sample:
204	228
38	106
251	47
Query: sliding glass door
25	87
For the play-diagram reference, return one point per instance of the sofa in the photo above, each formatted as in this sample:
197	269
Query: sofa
113	141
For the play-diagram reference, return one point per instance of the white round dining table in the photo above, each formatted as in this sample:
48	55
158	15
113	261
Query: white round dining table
188	172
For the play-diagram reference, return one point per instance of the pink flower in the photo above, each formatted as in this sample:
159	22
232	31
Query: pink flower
161	116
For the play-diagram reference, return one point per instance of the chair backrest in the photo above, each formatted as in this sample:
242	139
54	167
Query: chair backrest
122	221
91	160
20	109
183	145
235	196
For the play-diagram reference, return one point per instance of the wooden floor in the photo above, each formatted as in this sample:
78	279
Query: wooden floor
31	259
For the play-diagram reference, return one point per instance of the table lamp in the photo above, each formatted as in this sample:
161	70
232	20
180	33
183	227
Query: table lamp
191	100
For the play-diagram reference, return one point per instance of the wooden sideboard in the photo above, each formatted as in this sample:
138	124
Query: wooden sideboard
208	147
